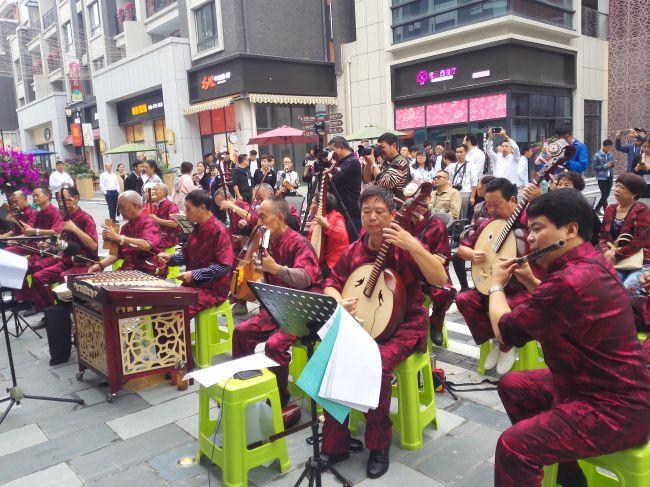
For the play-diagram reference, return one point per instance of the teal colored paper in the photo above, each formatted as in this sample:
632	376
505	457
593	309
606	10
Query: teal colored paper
312	375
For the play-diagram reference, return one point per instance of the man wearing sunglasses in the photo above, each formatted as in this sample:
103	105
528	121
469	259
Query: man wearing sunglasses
445	199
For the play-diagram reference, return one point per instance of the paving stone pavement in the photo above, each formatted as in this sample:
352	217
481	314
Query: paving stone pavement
138	439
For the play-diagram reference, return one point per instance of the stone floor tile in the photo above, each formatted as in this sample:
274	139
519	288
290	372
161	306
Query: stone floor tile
166	466
165	392
60	475
484	415
400	474
21	438
190	424
140	475
446	422
156	416
482	475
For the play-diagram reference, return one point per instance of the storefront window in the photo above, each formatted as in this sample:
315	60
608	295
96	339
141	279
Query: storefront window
135	133
161	141
562	106
519	105
542	106
592	128
206	27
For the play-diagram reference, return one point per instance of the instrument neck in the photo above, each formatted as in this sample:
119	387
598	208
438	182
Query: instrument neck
510	223
378	266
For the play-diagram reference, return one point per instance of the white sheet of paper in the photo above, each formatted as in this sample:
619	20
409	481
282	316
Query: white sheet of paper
13	268
328	324
353	374
218	373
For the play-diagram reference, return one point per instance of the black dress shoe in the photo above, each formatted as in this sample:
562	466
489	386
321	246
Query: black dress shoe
40	325
378	463
437	338
334	458
30	312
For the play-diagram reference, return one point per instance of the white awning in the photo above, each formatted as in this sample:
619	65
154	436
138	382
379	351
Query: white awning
208	105
292	99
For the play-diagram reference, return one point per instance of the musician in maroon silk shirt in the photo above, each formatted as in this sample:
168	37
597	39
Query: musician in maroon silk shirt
80	229
501	200
26	214
594	398
208	256
291	262
412	261
137	238
170	233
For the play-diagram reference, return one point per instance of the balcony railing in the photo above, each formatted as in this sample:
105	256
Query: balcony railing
413	19
32	31
594	23
155	6
49	18
124	15
53	62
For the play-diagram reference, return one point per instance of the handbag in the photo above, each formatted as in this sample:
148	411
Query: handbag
631	263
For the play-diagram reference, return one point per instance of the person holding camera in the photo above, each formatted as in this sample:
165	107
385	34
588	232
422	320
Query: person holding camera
506	162
464	177
632	150
642	167
346	184
396	174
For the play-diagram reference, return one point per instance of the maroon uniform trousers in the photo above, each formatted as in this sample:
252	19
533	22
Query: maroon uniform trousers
294	251
594	398
410	336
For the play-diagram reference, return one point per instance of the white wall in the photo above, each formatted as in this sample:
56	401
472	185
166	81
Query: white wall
50	109
163	65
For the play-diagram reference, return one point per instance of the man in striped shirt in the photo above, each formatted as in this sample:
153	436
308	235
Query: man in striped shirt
395	174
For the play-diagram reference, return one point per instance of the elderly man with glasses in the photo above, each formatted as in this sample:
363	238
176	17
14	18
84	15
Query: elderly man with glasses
445	199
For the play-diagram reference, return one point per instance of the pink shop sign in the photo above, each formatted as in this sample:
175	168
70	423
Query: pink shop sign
409	118
447	112
487	107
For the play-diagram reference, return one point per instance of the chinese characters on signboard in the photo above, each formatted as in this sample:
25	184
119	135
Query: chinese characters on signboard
145	107
209	82
423	77
74	72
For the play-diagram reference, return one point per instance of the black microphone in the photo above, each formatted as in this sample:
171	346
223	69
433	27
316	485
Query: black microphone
71	249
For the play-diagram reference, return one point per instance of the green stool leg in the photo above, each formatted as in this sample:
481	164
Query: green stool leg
445	337
486	347
210	339
173	271
296	366
550	476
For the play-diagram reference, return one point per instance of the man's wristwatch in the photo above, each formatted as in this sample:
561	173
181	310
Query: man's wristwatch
38	231
496	289
121	239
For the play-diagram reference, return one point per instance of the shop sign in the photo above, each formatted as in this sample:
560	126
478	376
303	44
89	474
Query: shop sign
87	131
481	74
141	108
210	81
77	136
145	107
423	77
74	72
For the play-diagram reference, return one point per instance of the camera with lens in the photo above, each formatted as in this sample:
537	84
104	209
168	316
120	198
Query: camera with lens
323	158
370	150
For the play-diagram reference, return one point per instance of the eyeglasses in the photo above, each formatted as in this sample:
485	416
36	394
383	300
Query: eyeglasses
439	177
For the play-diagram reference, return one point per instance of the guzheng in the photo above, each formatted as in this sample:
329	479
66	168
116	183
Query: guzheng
130	324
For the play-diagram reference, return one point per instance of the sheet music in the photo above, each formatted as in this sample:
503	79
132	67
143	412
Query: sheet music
185	225
218	373
13	268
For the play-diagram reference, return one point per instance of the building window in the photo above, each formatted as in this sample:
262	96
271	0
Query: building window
592	128
594	22
67	36
98	63
161	141
17	71
94	19
419	18
135	133
207	35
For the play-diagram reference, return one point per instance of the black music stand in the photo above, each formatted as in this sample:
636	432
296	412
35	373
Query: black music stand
21	324
16	395
302	314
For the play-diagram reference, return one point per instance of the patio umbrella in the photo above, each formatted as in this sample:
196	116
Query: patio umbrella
41	152
372	132
283	135
129	148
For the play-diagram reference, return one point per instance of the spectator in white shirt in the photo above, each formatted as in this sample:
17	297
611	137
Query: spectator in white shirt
59	178
421	170
522	170
463	174
253	163
110	186
475	155
506	161
289	175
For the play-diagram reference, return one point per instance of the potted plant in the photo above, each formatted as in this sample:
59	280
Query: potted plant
19	171
168	175
83	177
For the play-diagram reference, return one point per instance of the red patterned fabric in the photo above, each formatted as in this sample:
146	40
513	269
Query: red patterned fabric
49	218
27	215
86	224
637	223
336	237
41	291
548	429
294	251
641	310
142	227
208	244
169	237
235	219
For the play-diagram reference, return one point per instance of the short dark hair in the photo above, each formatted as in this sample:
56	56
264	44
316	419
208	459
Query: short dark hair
607	142
390	139
485	180
265	156
441	144
199	197
45	189
576	179
380	193
524	148
241	158
207	154
426	144
72	191
445	171
450	155
340	143
564	206
331	202
633	182
472	139
186	167
58	161
253	152
137	163
280	206
563	130
463	146
504	186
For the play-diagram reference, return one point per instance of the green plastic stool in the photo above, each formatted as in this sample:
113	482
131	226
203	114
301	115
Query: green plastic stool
529	357
117	265
416	408
631	467
210	339
172	271
445	337
233	457
296	366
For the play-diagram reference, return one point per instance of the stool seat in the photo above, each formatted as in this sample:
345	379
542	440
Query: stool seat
210	339
529	357
416	407
631	468
172	271
233	456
